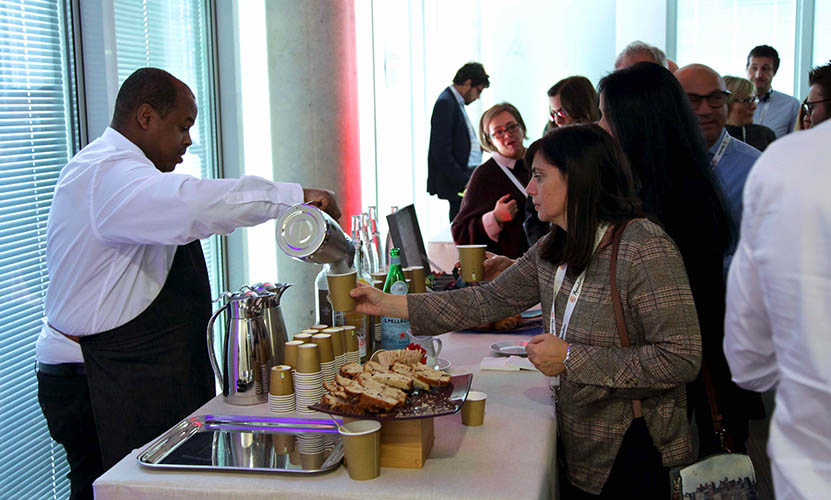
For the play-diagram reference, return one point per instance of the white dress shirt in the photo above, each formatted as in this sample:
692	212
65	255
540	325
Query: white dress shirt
114	227
778	322
474	158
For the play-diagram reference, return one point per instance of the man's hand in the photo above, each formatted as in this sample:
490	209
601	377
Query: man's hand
495	264
322	199
547	352
505	209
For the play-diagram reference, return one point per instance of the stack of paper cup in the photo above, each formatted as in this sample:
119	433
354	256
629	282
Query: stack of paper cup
308	378
291	353
327	356
311	447
304	337
353	355
281	393
338	345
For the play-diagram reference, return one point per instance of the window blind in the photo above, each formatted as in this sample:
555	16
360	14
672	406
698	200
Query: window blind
38	135
175	35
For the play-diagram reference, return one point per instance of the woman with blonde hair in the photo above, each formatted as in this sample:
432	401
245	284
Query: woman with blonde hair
740	107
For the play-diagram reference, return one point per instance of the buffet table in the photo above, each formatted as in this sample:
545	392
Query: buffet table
511	456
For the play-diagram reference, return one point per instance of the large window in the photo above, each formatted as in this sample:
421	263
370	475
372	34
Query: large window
38	135
175	35
720	33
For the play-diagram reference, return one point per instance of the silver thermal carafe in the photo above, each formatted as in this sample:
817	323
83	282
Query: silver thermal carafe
244	367
274	322
309	234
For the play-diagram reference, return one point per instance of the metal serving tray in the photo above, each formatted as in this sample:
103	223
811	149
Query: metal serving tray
236	443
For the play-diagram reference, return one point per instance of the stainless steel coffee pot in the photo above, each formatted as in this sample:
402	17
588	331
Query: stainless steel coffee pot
246	356
274	322
309	234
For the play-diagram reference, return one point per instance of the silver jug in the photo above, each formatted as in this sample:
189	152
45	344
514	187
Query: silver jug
244	372
309	234
274	322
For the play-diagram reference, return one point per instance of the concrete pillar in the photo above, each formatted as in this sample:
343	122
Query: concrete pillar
312	72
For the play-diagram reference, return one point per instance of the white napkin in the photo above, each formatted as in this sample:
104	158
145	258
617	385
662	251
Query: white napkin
506	364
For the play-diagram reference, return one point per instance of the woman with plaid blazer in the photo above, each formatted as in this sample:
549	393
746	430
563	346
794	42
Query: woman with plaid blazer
582	184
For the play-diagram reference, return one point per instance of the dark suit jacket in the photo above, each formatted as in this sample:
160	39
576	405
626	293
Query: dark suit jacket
447	171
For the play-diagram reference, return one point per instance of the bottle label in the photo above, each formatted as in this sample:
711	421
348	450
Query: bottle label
394	333
399	288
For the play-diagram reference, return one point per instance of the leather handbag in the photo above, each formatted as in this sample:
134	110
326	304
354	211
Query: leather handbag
724	475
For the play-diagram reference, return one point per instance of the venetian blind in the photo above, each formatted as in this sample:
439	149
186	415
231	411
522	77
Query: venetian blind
38	135
174	35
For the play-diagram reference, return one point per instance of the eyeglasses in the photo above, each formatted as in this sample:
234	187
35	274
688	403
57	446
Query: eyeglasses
808	106
747	101
715	99
559	112
511	128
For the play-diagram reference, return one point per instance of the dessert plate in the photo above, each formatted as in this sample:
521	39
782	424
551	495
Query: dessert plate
510	347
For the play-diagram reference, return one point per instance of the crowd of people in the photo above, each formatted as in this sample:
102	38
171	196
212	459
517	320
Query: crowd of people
661	158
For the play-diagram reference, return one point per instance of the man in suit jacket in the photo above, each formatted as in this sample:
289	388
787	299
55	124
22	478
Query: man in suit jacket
454	149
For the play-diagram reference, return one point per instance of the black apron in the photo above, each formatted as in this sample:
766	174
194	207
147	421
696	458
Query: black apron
150	373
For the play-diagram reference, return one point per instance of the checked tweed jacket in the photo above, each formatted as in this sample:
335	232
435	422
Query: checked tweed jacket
601	378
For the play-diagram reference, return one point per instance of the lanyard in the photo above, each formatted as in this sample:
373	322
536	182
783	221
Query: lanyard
725	140
573	297
513	179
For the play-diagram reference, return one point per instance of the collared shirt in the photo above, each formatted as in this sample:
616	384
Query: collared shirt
778	314
732	169
475	157
115	224
778	113
489	222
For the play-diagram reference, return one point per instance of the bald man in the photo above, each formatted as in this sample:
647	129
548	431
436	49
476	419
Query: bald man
732	160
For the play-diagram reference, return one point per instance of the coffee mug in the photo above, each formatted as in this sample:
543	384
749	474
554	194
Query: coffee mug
430	344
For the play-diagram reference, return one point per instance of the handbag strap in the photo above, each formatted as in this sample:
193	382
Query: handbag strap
617	305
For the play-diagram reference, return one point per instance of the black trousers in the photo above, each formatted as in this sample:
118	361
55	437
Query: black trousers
65	403
636	473
455	206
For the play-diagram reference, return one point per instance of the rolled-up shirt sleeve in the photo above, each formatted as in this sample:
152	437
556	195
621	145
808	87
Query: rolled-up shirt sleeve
132	203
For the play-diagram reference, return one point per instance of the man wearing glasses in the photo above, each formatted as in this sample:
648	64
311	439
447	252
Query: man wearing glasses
454	149
730	157
776	110
818	105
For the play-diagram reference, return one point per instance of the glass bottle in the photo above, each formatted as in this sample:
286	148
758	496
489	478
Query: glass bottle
375	240
388	244
323	308
366	238
395	331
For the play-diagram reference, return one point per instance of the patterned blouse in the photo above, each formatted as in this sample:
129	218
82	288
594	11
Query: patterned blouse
594	407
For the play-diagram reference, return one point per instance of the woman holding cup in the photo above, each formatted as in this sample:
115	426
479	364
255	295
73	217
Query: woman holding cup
610	446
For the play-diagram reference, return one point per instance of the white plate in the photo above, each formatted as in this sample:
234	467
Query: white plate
441	364
510	347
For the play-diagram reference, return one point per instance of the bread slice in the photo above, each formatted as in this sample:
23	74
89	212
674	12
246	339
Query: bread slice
372	367
430	376
336	403
369	382
394	380
351	370
403	369
372	400
335	390
351	387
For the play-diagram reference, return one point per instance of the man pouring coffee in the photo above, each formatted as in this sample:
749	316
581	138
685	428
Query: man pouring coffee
128	279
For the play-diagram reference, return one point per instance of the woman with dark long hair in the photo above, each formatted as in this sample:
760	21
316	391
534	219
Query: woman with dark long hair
620	410
646	109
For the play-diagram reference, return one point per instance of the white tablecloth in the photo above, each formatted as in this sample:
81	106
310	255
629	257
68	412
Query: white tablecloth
511	456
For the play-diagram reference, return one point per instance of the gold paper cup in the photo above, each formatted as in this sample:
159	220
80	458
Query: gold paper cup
281	383
319	326
379	284
311	461
408	273
338	342
339	287
291	352
283	443
472	258
294	457
473	411
362	448
419	279
308	358
312	331
351	338
324	343
303	337
380	276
